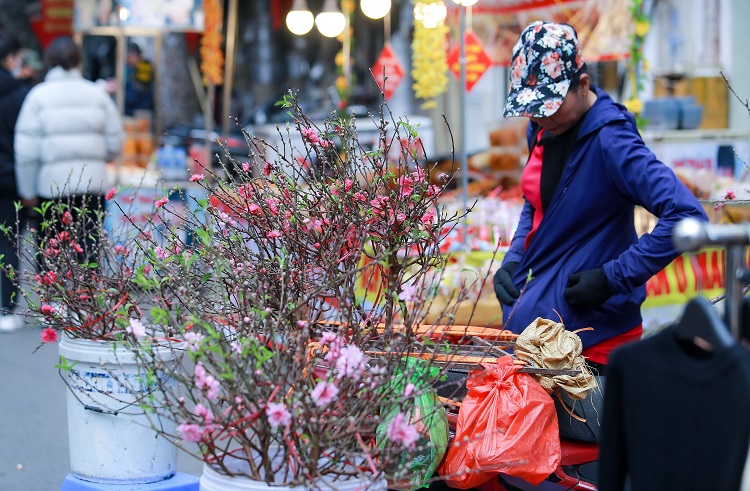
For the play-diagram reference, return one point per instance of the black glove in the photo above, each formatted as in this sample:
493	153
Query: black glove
505	291
587	289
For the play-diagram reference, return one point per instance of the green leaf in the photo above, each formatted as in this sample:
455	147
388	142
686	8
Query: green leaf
65	364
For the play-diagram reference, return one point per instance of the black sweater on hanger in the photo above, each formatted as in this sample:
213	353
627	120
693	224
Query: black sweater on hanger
675	417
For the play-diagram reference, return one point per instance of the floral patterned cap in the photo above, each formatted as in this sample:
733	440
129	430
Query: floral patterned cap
545	58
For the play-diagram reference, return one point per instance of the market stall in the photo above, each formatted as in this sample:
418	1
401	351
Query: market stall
148	22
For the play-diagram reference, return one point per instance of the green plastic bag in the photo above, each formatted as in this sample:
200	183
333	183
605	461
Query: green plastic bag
416	467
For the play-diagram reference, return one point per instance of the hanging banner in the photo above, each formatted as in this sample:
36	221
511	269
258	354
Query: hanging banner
389	65
56	20
603	26
512	6
173	15
477	60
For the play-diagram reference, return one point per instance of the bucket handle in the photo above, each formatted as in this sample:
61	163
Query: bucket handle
97	409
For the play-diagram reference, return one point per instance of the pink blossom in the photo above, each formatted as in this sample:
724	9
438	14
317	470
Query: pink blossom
277	414
120	249
193	340
323	393
409	389
348	183
267	168
206	382
49	335
310	135
273	234
434	190
196	177
161	253
161	202
334	343
273	206
418	175
408	293
428	217
136	328
245	191
48	310
719	206
379	203
406	185
110	194
245	166
311	225
730	195
190	432
76	247
329	337
360	196
67	218
254	209
203	412
401	432
48	278
349	363
400	217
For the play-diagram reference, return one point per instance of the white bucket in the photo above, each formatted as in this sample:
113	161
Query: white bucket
211	480
110	438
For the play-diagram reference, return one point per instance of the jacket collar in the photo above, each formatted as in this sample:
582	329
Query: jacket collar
604	111
59	73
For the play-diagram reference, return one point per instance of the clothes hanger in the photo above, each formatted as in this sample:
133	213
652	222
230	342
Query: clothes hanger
702	325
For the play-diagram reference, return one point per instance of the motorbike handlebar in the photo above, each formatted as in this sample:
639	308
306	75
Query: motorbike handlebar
691	234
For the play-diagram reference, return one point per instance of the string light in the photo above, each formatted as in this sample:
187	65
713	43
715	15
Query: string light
299	20
375	9
330	21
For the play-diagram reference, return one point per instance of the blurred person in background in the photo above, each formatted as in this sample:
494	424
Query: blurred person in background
68	130
30	68
12	94
139	81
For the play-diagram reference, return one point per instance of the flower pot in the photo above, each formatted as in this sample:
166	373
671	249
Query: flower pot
111	439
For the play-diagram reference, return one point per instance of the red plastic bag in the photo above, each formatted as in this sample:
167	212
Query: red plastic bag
507	424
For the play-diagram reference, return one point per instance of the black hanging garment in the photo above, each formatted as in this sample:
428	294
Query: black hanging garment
676	417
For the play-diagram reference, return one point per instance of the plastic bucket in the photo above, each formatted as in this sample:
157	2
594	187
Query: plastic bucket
211	480
110	438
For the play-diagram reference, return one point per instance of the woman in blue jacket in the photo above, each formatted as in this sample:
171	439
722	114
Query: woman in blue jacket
588	169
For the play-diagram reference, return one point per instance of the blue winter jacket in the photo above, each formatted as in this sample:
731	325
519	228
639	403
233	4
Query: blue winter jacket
589	224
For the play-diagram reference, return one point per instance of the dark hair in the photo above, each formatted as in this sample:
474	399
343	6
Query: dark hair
9	44
63	52
133	48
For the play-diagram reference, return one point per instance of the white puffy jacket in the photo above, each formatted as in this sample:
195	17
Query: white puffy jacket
67	131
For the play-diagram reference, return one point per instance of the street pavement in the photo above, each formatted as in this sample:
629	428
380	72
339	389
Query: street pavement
33	417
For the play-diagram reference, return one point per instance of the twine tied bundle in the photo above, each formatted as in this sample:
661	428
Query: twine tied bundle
547	344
